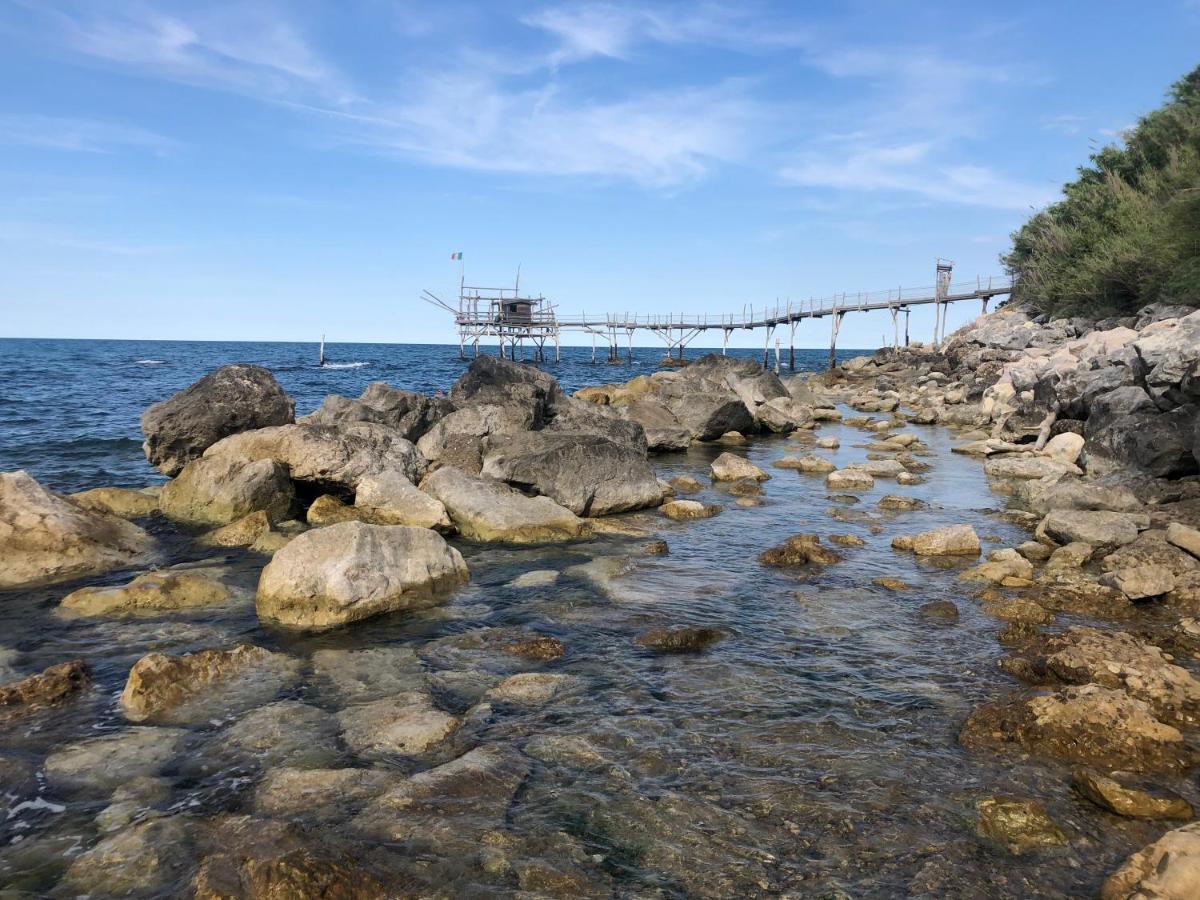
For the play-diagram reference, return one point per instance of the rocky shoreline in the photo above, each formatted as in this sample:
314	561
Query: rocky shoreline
1090	430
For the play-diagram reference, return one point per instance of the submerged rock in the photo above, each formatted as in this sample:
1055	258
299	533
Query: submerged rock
350	571
321	794
942	610
50	687
232	399
152	592
45	538
681	639
370	673
486	510
530	688
146	858
1018	825
405	724
1168	869
284	733
101	764
169	688
1126	800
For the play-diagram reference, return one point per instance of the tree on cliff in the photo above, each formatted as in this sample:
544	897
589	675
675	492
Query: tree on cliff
1127	231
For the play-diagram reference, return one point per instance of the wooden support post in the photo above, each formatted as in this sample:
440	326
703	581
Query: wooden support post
776	356
906	312
792	347
629	332
593	348
767	345
725	342
834	328
895	328
937	321
984	300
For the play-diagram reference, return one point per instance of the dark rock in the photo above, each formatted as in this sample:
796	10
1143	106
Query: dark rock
1137	802
942	610
799	550
573	416
53	686
409	413
679	640
499	382
230	400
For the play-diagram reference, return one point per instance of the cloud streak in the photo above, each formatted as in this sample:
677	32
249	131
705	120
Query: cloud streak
79	135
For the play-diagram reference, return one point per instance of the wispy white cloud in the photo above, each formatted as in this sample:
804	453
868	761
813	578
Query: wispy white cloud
35	234
84	135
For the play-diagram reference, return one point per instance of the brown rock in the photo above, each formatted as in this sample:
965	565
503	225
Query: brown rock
1126	800
543	647
680	639
1168	869
799	550
48	688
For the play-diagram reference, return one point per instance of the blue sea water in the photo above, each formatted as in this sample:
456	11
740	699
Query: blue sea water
70	409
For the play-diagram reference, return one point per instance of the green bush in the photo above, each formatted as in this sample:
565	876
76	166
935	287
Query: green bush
1127	231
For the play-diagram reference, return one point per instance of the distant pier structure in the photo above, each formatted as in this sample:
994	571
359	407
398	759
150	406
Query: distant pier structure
519	320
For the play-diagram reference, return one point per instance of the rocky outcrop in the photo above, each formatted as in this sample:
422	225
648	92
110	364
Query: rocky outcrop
664	432
408	413
45	538
573	416
219	490
1096	527
232	399
1089	725
115	501
179	689
457	439
391	499
587	474
497	382
486	510
347	572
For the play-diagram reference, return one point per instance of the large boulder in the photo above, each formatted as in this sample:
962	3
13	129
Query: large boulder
1095	527
391	499
589	475
150	592
333	457
663	431
499	382
218	490
1126	428
46	538
1169	357
232	399
783	414
1062	492
1029	467
483	509
46	689
407	412
457	439
573	416
343	573
1168	869
708	414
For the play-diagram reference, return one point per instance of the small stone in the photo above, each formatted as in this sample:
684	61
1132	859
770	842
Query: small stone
891	584
799	550
149	593
1184	538
543	647
847	540
1140	582
686	484
828	443
406	724
116	501
529	688
655	548
896	501
536	578
849	480
1168	869
731	467
954	540
50	687
682	510
1034	551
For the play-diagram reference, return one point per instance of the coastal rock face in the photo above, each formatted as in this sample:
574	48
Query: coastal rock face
573	416
499	382
457	439
408	413
45	538
165	688
483	509
1089	725
709	414
151	592
1029	467
232	399
587	474
329	456
219	490
117	502
1168	869
783	414
350	571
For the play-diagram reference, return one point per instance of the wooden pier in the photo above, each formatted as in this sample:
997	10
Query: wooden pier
515	319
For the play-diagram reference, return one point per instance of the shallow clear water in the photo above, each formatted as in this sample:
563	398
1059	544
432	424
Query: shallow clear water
812	752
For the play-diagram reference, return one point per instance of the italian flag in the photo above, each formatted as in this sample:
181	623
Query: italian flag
457	255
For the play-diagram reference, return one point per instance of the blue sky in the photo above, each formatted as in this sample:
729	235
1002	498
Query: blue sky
275	171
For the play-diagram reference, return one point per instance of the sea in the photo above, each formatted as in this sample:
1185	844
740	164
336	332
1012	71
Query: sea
70	409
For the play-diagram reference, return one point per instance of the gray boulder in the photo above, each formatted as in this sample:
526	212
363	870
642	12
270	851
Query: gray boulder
709	414
1126	429
409	413
1064	492
573	416
1169	358
663	431
230	400
350	571
1096	527
457	439
483	509
327	456
589	475
499	382
46	538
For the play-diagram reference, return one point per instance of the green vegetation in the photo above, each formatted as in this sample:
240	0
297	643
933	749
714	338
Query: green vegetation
1127	231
